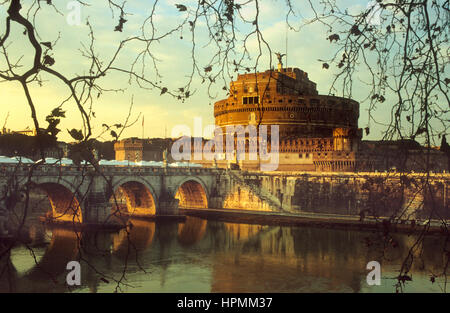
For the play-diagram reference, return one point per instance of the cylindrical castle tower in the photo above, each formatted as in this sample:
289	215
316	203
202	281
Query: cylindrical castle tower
286	97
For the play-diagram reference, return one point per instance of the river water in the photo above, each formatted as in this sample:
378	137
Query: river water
201	255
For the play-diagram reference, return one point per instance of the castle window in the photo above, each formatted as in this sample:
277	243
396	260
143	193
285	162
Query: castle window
250	100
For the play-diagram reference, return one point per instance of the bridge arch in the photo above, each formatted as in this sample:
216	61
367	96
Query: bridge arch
63	197
135	196
192	193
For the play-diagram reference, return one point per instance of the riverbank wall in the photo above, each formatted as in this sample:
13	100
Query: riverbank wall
400	196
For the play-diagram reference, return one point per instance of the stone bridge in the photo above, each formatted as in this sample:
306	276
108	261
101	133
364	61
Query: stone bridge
87	195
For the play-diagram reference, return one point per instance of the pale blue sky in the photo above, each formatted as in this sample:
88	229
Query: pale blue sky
173	54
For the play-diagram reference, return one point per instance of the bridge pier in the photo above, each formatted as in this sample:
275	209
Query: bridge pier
216	201
97	208
168	205
218	193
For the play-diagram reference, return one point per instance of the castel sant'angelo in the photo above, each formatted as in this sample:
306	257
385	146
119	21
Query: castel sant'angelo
316	132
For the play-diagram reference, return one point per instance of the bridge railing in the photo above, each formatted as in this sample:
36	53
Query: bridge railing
57	169
387	174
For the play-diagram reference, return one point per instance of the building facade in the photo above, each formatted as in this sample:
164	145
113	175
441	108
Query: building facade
136	150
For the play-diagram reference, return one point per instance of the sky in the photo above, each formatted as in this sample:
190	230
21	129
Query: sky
161	112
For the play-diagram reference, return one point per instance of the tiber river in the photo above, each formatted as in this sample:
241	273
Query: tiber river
202	255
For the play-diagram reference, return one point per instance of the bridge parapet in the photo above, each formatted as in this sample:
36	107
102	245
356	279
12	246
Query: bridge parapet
49	169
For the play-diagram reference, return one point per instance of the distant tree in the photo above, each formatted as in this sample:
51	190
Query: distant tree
26	146
87	150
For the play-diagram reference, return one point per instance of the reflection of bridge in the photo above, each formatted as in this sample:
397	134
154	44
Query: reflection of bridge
234	257
147	245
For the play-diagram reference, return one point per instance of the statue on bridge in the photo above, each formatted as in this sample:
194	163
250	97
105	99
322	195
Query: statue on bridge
165	157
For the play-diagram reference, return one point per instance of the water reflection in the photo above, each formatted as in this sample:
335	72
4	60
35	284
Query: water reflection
138	236
213	256
40	268
191	231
